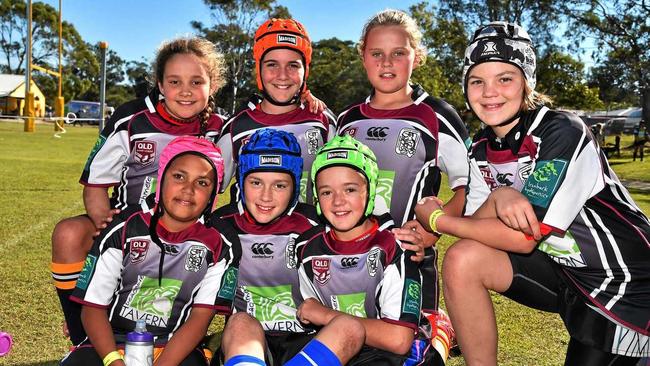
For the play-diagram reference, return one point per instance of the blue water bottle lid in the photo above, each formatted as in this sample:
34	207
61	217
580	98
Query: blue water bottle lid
140	333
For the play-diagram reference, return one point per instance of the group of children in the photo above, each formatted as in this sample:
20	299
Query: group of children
326	251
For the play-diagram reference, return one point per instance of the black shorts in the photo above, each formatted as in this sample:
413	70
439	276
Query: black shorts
281	347
371	356
538	282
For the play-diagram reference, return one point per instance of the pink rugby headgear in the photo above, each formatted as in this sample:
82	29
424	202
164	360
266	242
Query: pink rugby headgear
192	145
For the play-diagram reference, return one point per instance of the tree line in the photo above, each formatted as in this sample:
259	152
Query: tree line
617	30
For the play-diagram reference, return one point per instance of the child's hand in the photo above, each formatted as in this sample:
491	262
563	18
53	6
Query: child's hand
411	239
514	210
424	208
315	105
311	311
102	222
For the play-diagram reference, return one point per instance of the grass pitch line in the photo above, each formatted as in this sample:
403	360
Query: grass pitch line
37	228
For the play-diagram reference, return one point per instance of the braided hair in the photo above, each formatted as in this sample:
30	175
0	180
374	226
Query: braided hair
205	114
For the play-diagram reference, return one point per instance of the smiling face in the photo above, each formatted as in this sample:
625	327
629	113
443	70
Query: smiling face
495	92
185	85
342	196
188	184
267	194
389	59
282	73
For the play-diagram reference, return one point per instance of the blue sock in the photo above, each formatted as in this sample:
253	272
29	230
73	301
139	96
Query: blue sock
244	360
314	353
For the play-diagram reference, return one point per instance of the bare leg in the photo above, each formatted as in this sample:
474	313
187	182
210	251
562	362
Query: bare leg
71	241
470	269
344	336
243	335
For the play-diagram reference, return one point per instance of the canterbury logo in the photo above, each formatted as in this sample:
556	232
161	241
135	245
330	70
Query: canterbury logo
262	248
377	132
349	262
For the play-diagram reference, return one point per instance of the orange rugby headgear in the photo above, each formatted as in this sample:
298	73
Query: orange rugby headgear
281	33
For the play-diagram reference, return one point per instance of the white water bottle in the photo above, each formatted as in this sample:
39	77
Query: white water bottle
139	346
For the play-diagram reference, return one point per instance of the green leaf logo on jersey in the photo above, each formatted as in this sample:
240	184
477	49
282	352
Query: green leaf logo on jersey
543	182
353	304
384	190
152	299
303	187
86	272
228	284
98	145
270	303
564	250
412	297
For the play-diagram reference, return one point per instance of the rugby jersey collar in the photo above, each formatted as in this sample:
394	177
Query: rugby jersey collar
515	137
417	95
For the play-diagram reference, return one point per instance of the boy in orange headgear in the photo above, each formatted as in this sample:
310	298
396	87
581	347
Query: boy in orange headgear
282	53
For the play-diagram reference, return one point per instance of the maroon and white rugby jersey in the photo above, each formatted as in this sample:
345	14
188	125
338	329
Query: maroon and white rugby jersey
596	233
311	131
268	287
369	277
413	145
121	273
126	153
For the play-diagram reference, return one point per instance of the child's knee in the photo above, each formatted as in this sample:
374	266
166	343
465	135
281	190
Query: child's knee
460	261
72	237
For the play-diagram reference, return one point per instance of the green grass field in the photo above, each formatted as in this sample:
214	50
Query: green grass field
40	188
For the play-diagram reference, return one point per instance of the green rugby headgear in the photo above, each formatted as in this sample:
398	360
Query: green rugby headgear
347	151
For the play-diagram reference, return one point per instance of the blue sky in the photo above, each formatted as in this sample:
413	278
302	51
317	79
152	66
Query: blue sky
137	32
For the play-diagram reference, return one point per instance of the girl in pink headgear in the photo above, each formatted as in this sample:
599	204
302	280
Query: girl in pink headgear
160	262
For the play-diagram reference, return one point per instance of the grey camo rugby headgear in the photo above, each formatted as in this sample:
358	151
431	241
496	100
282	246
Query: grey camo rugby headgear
504	42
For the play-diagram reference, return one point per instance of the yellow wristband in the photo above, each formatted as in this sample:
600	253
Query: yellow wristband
433	218
112	357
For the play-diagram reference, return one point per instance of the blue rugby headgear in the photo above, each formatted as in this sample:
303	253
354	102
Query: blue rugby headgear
270	150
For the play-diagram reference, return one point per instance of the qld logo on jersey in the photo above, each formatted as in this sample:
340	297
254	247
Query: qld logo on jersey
321	269
138	249
407	142
351	131
144	152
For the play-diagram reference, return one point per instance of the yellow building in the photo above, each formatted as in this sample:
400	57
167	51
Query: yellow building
12	96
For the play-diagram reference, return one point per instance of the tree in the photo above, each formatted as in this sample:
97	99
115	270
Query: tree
538	17
337	75
445	40
138	74
236	22
13	34
562	78
621	30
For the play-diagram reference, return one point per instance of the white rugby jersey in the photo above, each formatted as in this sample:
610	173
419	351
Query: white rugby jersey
268	287
121	273
311	131
595	231
126	153
413	145
370	277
